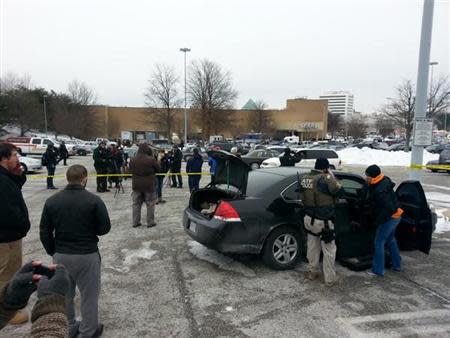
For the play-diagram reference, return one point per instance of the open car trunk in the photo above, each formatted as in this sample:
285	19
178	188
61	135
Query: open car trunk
230	183
205	201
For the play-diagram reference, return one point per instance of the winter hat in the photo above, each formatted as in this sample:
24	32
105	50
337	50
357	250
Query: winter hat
373	170
322	164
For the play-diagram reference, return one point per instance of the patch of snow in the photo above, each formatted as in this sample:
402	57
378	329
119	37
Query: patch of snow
216	258
441	203
367	156
132	257
229	308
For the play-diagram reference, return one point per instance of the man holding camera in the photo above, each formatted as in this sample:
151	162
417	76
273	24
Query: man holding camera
320	189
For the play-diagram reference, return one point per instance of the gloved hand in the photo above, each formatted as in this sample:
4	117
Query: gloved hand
21	286
58	284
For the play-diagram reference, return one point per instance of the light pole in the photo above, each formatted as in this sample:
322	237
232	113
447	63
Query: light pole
185	51
420	111
45	116
432	64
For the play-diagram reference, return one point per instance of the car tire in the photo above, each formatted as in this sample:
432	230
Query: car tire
332	167
254	166
434	170
24	168
282	238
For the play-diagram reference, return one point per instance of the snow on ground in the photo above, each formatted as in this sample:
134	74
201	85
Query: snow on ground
216	258
367	156
132	257
441	203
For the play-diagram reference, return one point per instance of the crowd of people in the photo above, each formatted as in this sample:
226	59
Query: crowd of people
74	218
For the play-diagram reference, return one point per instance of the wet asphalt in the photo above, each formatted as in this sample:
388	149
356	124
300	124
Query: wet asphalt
157	282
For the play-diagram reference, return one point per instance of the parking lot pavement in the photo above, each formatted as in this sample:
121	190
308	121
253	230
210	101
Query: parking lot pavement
159	283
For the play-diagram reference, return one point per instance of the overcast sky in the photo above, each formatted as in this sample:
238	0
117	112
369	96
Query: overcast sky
275	49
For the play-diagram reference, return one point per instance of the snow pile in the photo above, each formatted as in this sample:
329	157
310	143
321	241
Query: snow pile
367	156
441	203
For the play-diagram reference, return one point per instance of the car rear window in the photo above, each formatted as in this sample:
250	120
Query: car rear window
315	154
259	181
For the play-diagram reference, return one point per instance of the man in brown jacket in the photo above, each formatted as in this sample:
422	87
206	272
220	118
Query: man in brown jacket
143	168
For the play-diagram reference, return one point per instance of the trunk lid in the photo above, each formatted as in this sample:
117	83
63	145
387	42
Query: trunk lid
231	171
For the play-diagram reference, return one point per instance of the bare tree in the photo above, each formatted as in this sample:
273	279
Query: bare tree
211	91
439	100
383	125
356	126
162	98
260	120
400	109
335	123
12	81
81	94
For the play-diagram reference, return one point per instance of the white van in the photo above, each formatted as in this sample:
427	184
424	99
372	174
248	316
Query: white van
291	139
32	145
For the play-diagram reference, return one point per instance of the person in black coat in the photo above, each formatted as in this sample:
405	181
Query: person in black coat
194	165
50	160
289	158
175	167
14	219
100	157
385	207
63	153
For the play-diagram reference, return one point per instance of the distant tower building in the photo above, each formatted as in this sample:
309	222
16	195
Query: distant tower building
339	102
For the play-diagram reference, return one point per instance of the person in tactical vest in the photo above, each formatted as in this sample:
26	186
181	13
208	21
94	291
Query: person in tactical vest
319	191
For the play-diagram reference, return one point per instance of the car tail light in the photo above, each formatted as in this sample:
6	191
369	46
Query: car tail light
227	213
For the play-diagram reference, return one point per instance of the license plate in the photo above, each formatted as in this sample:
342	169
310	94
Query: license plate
193	226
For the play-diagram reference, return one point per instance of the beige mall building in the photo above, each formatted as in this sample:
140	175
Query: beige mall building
307	118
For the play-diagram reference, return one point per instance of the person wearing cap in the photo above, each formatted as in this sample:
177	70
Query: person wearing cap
385	206
289	158
319	190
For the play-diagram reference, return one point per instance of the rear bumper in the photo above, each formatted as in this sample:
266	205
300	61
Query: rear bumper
225	237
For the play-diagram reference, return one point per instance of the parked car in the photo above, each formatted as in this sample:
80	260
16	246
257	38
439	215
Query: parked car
29	164
437	148
188	152
222	145
398	147
444	159
259	212
255	157
309	159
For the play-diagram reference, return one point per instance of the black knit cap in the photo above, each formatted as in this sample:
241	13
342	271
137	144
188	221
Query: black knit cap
373	170
322	164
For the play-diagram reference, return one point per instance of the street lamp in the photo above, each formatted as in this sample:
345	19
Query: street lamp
45	116
185	51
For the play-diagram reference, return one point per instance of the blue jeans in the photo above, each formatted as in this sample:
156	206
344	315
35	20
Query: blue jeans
194	181
386	236
159	186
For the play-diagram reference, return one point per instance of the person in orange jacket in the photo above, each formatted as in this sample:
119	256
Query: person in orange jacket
385	206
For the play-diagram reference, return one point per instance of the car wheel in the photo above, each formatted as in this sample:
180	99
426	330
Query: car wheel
434	170
332	167
24	168
254	166
282	248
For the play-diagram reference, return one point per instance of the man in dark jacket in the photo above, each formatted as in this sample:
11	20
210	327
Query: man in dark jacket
175	167
70	225
143	168
385	207
50	160
194	165
289	158
101	160
319	189
14	221
63	153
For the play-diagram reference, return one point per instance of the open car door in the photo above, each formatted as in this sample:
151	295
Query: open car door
416	227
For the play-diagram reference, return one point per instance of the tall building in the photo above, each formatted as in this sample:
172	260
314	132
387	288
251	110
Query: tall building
339	102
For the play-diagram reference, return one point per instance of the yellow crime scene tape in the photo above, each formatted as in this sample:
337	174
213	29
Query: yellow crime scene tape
430	166
37	177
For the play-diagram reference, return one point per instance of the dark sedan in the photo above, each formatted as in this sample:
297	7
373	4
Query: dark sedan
259	212
256	157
